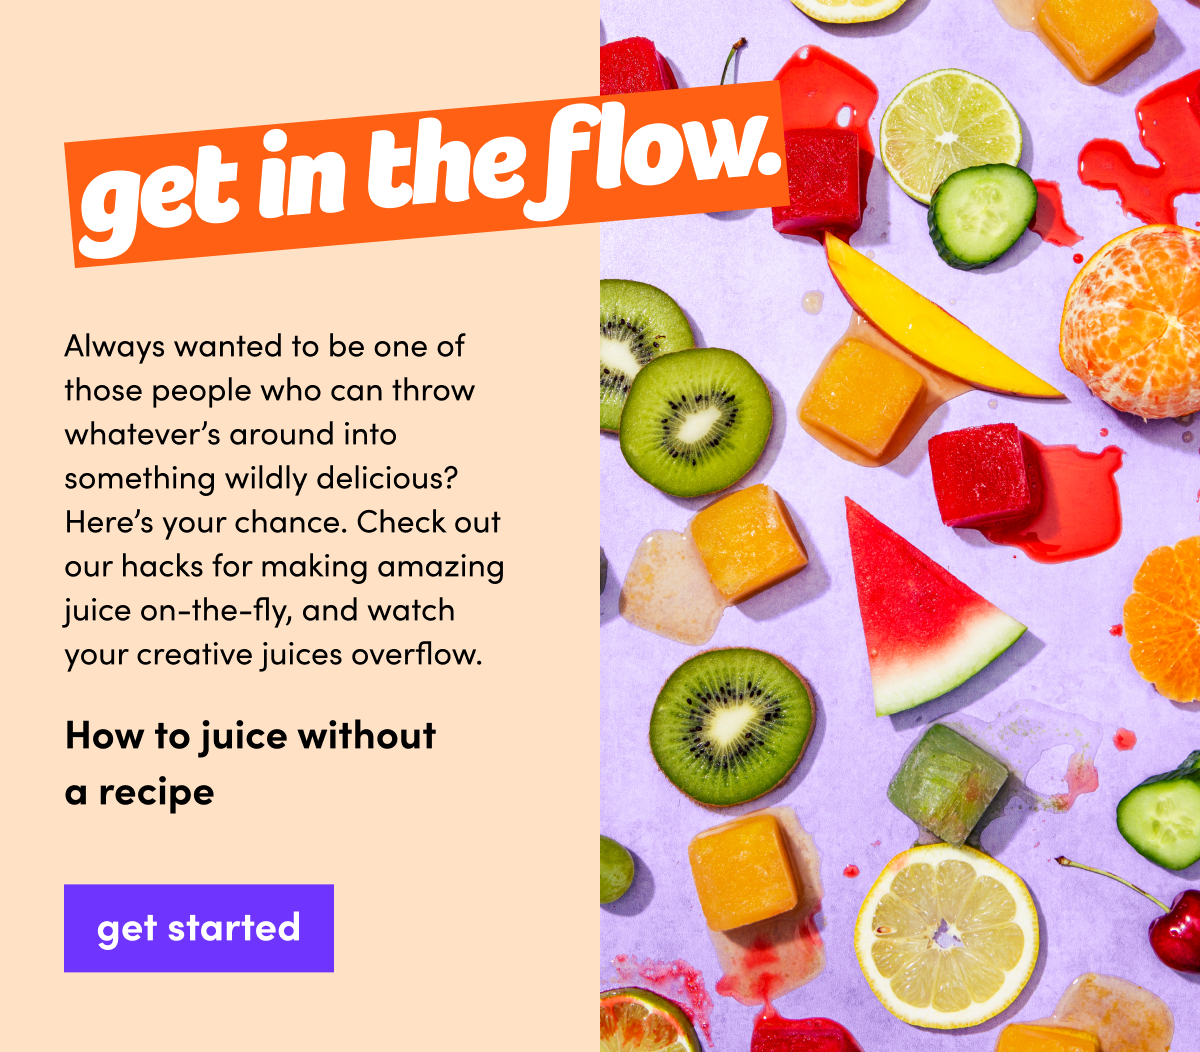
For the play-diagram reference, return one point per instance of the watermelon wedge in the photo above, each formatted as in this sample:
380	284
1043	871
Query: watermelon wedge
926	631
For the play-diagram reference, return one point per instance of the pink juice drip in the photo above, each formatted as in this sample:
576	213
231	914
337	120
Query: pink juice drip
677	981
1124	740
1081	509
1082	777
816	87
1168	122
1049	221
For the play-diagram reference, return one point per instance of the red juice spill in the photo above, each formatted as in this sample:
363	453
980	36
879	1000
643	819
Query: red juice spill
769	967
876	843
850	871
1049	222
1104	432
819	90
1078	257
1082	777
678	981
1081	509
1117	630
1168	122
774	1033
1124	740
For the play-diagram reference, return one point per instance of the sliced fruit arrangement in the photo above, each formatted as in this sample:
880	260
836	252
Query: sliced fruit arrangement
1162	620
1161	817
635	1020
942	122
1131	322
695	421
848	10
977	214
926	632
616	870
947	937
730	725
638	322
925	330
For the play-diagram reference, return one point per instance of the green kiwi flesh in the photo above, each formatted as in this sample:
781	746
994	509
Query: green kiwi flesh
695	421
638	322
731	725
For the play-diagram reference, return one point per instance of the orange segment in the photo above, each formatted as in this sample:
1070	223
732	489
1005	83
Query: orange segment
1162	620
742	872
1131	322
748	542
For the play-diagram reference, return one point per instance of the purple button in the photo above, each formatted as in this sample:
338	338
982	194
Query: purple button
198	927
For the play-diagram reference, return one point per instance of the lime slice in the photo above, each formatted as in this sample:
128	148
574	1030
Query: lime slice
848	10
943	122
947	937
635	1020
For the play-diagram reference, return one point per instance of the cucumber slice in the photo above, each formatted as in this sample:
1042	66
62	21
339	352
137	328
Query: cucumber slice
1161	817
978	213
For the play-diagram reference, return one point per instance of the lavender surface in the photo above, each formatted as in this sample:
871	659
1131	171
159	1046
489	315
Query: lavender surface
741	284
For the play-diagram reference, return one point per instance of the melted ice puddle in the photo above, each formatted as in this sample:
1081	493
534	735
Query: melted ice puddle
668	590
770	958
1124	1017
1048	750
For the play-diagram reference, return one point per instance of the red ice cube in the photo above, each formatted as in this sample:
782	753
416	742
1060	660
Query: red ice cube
633	64
985	476
777	1034
822	167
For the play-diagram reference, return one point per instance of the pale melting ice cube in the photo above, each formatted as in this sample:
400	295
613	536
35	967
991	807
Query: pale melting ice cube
668	589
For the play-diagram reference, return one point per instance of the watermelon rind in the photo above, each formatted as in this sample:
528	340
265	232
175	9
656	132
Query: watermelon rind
906	684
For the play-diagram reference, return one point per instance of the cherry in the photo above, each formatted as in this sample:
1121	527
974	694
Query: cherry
1175	936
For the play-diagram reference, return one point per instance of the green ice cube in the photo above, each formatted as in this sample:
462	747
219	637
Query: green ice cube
946	784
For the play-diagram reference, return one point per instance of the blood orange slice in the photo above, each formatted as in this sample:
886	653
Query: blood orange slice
635	1020
926	631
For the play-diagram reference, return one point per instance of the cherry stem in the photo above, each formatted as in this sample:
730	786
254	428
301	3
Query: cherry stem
732	51
1064	861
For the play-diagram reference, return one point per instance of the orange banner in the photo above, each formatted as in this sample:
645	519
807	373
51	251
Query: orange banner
358	179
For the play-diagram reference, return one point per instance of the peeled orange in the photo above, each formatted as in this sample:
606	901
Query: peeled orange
1131	322
1162	620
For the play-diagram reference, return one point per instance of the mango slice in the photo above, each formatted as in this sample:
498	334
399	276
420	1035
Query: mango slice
925	330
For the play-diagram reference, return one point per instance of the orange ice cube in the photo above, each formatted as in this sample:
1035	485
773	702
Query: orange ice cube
1028	1037
1094	35
742	872
748	542
862	396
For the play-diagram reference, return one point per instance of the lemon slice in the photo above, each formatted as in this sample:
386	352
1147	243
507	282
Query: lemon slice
635	1020
947	937
848	10
942	122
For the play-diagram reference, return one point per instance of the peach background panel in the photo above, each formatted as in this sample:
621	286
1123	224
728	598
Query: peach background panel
457	871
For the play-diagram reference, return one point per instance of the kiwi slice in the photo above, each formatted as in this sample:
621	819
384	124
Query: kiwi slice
695	421
730	725
637	323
